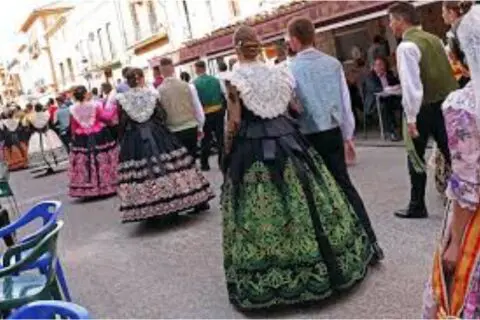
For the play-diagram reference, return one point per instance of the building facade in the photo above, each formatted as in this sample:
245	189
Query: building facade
91	42
90	46
36	61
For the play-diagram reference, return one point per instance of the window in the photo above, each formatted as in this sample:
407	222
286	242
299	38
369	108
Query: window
187	18
62	72
70	69
135	21
100	44
210	11
348	42
152	17
235	8
91	39
110	42
81	49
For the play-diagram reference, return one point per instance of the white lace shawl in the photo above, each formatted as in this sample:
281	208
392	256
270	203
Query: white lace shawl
469	37
138	103
11	124
40	119
264	90
84	113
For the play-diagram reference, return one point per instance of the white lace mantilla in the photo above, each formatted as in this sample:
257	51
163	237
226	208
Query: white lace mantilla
469	36
40	119
264	90
84	113
11	124
138	103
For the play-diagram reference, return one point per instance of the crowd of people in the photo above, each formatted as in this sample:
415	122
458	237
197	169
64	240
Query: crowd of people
295	229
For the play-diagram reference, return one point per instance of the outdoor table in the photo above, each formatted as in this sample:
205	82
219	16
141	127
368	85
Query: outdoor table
378	95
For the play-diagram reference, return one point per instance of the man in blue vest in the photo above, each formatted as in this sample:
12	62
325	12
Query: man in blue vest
327	119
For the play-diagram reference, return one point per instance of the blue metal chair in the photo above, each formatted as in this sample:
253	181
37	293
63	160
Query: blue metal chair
49	310
48	212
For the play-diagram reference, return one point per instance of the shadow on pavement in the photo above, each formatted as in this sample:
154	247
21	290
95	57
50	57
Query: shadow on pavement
170	223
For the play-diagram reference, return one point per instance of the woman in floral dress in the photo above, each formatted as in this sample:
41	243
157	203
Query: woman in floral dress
289	234
94	152
453	290
157	175
452	12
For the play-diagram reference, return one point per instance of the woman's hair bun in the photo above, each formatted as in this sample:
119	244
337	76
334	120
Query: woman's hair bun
133	77
79	93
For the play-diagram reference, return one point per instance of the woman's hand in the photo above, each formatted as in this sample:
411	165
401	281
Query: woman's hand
450	256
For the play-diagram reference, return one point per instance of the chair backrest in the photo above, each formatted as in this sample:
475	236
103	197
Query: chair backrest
50	310
47	211
33	250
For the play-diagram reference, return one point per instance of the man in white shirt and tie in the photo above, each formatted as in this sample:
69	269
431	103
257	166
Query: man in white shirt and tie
426	79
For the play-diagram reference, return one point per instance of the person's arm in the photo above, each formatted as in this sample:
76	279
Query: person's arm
122	122
105	115
392	79
408	59
348	120
234	116
463	187
223	87
73	127
197	107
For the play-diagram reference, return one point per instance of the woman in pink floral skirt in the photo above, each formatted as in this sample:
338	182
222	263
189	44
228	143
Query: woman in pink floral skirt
94	152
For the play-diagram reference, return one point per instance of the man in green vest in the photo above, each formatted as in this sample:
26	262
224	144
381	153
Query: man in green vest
210	93
426	78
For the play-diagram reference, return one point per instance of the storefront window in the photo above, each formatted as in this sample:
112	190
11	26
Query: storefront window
352	44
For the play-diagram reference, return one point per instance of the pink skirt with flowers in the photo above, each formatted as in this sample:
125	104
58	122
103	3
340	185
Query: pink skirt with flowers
93	165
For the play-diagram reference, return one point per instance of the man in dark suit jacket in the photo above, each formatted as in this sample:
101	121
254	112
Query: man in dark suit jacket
377	80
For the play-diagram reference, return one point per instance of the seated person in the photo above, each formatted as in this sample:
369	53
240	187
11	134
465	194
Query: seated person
355	76
378	80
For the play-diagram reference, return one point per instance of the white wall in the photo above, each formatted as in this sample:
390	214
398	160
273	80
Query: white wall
87	18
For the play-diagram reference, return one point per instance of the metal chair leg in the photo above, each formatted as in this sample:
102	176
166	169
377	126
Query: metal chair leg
380	118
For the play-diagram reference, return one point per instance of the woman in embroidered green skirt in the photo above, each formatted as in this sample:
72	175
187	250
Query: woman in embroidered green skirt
289	233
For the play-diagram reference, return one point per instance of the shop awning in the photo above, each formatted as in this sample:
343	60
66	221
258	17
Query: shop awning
271	25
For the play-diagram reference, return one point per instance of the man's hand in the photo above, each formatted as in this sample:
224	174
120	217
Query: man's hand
350	154
412	130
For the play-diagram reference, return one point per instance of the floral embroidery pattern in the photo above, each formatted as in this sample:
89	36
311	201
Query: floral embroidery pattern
463	141
272	255
93	175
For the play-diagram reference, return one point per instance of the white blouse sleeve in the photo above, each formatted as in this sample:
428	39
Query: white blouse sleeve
408	59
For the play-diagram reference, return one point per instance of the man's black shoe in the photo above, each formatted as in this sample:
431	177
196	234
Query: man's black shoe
411	214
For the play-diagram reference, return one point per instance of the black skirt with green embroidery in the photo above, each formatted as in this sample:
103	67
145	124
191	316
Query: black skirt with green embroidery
290	236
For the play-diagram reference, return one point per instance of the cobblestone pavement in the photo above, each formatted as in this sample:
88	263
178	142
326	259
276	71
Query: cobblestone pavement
175	270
